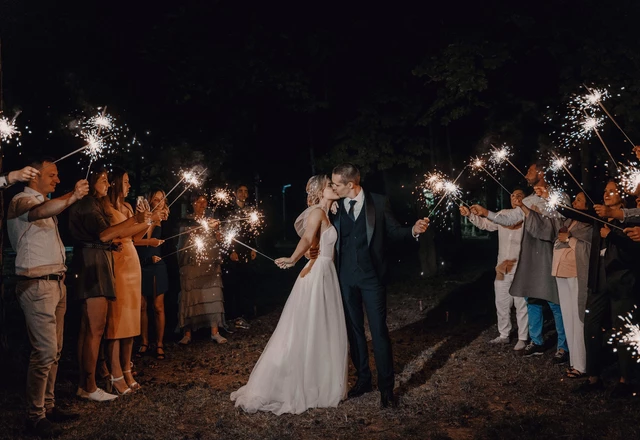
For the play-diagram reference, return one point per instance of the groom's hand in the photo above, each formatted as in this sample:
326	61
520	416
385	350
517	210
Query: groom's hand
312	253
420	226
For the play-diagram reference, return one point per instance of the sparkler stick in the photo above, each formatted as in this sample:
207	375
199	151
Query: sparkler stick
88	170
594	126
179	250
255	250
70	154
195	228
590	216
503	154
193	182
478	163
597	100
561	162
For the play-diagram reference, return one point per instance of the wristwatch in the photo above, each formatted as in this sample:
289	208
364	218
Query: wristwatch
4	180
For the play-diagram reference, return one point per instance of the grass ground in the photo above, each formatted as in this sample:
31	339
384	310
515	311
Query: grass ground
452	384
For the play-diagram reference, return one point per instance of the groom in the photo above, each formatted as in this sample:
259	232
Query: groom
364	223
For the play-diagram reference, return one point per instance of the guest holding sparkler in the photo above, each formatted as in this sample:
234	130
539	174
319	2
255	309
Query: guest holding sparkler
123	318
239	271
40	289
570	267
93	265
155	280
201	302
613	276
509	239
25	174
532	279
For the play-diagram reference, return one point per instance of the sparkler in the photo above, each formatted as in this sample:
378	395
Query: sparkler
438	184
221	197
8	128
479	164
630	179
198	242
559	163
595	97
204	224
193	179
629	335
230	236
555	200
498	155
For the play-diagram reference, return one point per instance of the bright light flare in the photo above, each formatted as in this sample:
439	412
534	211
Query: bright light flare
628	335
558	163
630	179
94	145
8	129
499	155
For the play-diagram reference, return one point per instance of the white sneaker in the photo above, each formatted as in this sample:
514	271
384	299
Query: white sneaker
82	393
100	395
218	338
520	345
499	340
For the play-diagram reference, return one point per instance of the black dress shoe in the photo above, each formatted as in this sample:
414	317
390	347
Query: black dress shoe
57	415
43	428
387	398
359	389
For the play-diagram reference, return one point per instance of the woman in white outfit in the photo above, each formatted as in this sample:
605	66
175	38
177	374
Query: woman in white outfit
304	364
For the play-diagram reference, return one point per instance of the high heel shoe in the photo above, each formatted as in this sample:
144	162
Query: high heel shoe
135	386
112	388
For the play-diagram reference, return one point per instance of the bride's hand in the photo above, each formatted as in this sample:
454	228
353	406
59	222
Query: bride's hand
285	263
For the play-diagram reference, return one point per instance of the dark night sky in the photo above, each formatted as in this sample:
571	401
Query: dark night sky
252	85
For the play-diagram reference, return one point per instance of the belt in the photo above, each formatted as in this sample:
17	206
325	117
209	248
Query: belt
102	246
51	277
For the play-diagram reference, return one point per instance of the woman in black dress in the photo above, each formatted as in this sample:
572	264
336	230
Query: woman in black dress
155	281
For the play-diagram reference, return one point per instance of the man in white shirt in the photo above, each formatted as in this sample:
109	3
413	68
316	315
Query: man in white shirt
40	290
509	240
532	279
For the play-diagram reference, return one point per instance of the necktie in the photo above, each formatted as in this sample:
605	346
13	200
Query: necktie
352	203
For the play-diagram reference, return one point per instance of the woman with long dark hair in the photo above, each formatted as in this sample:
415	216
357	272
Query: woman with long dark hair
93	267
123	319
155	280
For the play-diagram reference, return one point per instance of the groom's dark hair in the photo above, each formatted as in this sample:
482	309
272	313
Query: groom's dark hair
348	172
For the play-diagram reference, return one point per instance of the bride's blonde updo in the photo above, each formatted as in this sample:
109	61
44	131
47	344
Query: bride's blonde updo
315	188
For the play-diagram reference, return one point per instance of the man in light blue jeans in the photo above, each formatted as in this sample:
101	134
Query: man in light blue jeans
40	267
533	279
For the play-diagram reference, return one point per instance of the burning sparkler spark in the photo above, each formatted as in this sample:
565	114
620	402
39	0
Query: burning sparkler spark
94	145
630	179
558	163
629	335
8	129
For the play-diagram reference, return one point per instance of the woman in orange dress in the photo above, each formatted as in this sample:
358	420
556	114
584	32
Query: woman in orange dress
123	319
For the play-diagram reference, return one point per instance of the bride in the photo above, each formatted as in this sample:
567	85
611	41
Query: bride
304	364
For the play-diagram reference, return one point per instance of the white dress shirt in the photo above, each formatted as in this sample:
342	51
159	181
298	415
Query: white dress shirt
39	249
358	206
509	240
509	217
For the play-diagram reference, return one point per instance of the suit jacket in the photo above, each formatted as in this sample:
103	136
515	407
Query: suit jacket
381	226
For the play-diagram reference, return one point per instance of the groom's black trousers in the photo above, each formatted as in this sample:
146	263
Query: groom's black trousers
360	287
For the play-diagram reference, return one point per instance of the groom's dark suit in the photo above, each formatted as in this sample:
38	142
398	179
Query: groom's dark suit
362	268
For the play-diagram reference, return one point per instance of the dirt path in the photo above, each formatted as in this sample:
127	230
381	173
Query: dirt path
452	384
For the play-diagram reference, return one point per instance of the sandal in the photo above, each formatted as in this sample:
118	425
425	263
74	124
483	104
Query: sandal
160	352
142	350
572	373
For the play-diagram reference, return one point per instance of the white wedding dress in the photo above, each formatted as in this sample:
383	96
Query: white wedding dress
304	364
